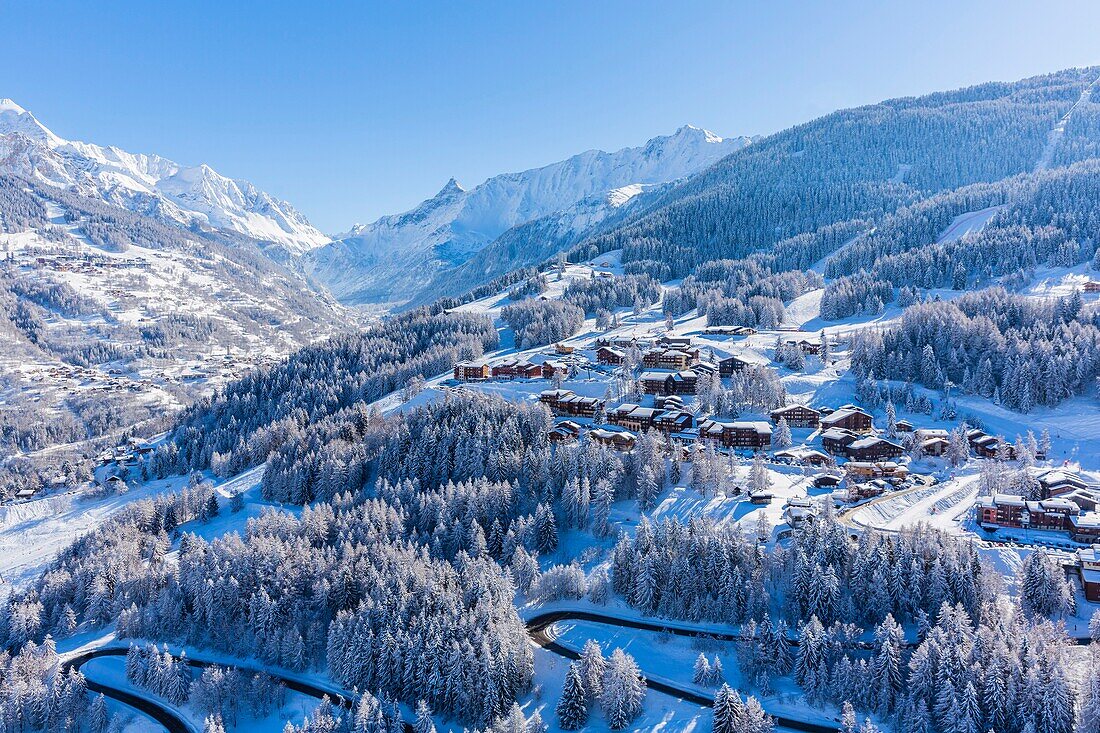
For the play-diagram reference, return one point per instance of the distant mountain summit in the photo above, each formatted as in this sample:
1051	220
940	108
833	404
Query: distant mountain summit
189	196
390	260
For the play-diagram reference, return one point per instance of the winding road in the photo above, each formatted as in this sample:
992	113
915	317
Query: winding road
538	628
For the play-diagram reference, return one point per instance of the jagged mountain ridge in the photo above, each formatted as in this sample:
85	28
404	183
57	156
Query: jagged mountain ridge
195	196
394	258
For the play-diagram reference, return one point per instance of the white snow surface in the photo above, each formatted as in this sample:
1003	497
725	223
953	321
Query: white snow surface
196	195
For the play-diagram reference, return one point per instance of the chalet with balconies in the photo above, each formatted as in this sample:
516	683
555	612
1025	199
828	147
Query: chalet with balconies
730	365
837	440
676	359
797	416
754	435
609	356
516	369
848	417
872	448
473	371
664	383
620	440
566	402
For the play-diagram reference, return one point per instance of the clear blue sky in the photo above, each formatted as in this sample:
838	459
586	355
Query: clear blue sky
354	110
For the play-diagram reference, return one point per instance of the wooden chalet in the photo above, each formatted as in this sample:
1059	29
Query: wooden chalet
797	416
665	383
516	369
988	446
837	440
806	346
934	446
675	342
620	440
1089	562
1092	286
872	448
804	456
1012	510
566	402
848	417
676	359
754	435
1056	482
609	356
566	431
550	367
472	371
731	364
868	470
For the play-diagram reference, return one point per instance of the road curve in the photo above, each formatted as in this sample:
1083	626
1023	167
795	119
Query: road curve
154	709
538	628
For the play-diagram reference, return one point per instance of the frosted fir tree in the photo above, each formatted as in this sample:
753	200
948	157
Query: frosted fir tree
891	420
99	718
729	711
623	690
593	665
424	722
717	674
572	708
701	673
782	437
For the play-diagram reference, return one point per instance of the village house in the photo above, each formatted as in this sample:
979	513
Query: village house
868	470
903	426
549	368
472	371
807	347
837	440
804	456
1085	528
566	402
1055	482
669	402
797	416
848	417
1092	286
731	364
674	342
934	446
873	448
676	359
1089	561
563	348
682	382
729	330
609	356
1012	510
566	431
634	417
754	435
516	368
620	440
799	512
988	446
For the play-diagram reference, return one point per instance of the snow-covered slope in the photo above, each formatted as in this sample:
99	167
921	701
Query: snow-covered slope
389	260
149	184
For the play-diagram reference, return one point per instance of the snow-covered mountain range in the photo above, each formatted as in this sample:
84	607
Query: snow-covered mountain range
395	257
149	184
